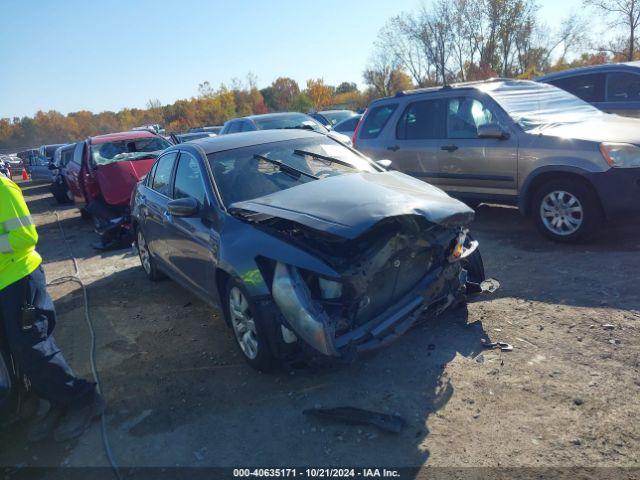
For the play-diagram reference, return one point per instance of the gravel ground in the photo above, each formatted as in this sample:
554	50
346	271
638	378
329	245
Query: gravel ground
179	393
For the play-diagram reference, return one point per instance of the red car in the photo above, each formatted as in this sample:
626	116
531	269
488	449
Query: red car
103	173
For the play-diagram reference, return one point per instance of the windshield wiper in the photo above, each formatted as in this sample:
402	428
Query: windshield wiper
324	157
285	168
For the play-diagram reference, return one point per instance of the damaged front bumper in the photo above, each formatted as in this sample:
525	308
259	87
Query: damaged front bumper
442	288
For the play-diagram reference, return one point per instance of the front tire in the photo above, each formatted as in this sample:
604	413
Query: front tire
474	265
566	211
248	330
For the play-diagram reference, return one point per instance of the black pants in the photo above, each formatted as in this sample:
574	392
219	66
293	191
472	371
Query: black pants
35	351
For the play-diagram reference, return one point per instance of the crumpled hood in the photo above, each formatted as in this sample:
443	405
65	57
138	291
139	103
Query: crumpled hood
117	180
604	128
348	205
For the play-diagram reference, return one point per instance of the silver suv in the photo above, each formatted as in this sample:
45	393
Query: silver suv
515	142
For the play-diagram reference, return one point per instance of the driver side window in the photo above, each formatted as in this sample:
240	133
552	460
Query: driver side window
189	180
465	115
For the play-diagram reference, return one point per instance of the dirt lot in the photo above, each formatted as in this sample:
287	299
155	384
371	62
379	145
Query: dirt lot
179	393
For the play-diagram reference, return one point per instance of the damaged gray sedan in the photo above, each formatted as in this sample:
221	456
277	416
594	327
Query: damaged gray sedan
310	249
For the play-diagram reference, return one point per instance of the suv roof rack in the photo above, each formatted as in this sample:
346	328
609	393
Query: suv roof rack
448	86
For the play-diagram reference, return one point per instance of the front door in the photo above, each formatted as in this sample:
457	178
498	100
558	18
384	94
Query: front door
482	167
192	241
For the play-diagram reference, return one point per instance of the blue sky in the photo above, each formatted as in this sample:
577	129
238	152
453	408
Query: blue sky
69	55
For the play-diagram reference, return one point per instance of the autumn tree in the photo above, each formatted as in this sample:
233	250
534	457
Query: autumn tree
319	93
284	91
624	15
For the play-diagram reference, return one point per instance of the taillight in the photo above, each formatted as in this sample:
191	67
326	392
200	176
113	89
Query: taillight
355	132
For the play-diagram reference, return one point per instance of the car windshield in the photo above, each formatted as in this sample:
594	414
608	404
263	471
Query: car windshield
127	150
338	116
252	172
536	105
299	121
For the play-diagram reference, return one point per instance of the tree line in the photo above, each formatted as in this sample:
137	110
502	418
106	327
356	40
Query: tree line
440	42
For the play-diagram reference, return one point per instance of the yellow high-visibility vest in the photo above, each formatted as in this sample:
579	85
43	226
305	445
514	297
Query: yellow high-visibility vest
18	236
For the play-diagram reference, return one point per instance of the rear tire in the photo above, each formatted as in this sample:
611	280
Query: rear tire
248	328
146	258
566	211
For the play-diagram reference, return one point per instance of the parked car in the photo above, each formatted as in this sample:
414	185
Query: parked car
284	120
211	129
38	165
613	88
329	118
516	142
348	126
102	174
308	247
177	138
59	188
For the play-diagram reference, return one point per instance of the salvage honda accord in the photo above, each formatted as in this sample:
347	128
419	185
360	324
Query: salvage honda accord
308	248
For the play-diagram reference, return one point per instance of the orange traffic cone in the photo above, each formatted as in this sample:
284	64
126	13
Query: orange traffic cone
25	175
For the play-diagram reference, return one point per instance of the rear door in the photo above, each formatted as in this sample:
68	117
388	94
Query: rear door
484	167
419	138
72	172
192	241
154	216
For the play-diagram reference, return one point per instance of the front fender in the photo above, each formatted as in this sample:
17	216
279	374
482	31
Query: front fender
243	243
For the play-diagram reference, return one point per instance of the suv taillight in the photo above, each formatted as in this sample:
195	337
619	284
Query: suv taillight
355	132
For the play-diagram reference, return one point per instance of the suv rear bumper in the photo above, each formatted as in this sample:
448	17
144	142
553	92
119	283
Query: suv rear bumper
619	191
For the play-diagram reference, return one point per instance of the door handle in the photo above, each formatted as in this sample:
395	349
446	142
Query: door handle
394	148
449	148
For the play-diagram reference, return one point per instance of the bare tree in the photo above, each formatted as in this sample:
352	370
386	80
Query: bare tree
621	13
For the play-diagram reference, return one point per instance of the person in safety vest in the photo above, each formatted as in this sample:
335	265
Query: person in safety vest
27	320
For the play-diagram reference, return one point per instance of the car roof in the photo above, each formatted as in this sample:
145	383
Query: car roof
338	110
272	115
246	139
114	137
604	67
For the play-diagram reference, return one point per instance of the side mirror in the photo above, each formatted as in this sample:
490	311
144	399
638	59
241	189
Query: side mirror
183	207
492	130
52	166
384	163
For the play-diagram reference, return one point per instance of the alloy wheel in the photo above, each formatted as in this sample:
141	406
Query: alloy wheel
561	212
243	323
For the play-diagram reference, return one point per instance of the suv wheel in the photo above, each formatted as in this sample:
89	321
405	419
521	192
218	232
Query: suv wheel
566	211
247	327
146	259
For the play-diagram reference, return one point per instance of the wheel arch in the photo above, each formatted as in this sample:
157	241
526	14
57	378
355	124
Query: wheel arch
546	174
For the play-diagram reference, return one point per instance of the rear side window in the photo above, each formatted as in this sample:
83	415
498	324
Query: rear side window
589	88
623	87
423	120
376	120
162	176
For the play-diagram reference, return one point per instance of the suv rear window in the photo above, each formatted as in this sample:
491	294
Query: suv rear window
376	120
